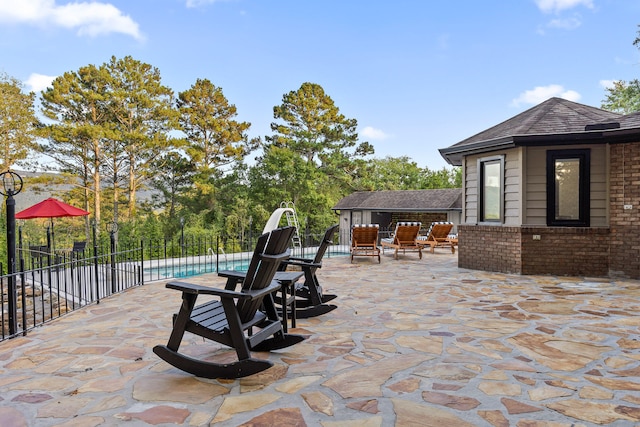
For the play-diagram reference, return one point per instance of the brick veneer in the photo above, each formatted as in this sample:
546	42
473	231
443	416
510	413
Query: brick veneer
624	181
489	248
560	250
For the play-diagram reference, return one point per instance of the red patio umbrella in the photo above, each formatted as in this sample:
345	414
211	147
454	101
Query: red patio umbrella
50	208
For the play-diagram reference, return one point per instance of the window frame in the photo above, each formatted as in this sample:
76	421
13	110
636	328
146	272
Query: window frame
482	162
584	190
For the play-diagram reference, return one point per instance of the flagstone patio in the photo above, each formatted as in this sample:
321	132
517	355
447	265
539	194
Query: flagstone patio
413	342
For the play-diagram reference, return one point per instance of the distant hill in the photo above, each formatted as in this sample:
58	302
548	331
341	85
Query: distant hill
33	193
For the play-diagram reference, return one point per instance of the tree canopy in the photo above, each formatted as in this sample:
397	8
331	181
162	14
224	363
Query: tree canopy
115	129
18	122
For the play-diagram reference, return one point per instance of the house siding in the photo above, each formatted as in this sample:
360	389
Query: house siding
610	247
512	187
536	185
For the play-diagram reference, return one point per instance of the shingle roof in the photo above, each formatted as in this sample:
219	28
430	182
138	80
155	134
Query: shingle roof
554	116
408	200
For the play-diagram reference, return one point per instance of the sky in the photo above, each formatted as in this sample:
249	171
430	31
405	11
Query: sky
417	75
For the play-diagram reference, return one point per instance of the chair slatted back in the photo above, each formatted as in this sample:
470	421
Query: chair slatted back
271	249
406	232
439	231
326	240
364	235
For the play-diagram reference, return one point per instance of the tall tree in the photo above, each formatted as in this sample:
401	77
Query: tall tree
623	97
17	122
215	142
143	112
214	138
314	151
76	103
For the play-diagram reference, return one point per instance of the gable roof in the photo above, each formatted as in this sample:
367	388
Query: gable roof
403	200
555	119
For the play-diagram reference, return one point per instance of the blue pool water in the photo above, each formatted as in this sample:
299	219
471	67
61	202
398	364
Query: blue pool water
187	270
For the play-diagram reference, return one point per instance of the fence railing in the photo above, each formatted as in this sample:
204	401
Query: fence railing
49	284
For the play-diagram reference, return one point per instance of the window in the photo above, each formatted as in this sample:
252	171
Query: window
491	174
568	192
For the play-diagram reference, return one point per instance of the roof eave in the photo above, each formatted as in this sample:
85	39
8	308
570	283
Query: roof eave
453	155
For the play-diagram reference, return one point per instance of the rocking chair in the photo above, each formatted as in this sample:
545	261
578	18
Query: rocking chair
245	320
311	301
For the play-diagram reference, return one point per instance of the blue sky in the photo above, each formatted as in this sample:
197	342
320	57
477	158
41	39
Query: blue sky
417	75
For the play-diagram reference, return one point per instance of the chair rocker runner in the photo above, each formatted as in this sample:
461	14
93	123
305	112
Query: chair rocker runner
244	320
311	300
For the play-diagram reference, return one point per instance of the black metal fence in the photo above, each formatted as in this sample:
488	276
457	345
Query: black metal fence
49	284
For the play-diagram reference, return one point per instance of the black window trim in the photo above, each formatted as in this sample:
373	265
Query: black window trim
584	156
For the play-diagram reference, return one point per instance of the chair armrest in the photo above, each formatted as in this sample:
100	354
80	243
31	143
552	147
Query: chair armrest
233	278
192	288
296	259
299	262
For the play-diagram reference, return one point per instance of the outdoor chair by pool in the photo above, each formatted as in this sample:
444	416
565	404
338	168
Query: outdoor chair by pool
244	320
364	240
438	236
403	238
311	300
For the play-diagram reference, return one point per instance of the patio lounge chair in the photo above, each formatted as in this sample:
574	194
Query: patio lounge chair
404	238
245	320
438	235
311	301
364	240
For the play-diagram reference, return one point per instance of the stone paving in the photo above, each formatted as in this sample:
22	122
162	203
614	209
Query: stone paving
412	343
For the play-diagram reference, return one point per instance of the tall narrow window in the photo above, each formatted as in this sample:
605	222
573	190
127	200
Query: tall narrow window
491	177
568	191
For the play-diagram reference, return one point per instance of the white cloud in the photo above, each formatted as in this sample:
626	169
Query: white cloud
555	6
607	84
542	93
91	19
565	23
373	133
198	3
38	82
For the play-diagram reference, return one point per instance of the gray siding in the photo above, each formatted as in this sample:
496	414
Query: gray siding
536	185
512	187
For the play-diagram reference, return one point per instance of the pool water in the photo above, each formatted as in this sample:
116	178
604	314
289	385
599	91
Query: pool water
188	270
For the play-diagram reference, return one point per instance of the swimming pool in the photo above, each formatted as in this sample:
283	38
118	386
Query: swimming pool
191	269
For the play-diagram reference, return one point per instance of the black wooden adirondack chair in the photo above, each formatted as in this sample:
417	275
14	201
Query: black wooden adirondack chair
244	320
312	302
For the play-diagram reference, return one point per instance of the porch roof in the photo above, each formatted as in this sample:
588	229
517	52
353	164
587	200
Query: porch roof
449	199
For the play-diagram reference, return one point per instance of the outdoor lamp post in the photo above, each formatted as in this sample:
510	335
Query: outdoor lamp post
112	228
11	185
182	236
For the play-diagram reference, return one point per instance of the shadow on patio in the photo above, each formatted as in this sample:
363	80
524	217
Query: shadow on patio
413	342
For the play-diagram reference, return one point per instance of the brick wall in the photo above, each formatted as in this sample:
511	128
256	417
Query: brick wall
560	250
565	251
624	182
489	248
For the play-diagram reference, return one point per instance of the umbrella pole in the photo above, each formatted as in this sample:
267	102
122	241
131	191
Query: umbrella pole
53	238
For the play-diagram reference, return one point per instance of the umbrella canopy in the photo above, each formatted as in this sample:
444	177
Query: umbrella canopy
50	208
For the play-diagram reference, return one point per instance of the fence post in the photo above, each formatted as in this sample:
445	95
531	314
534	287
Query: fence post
141	278
112	228
95	261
